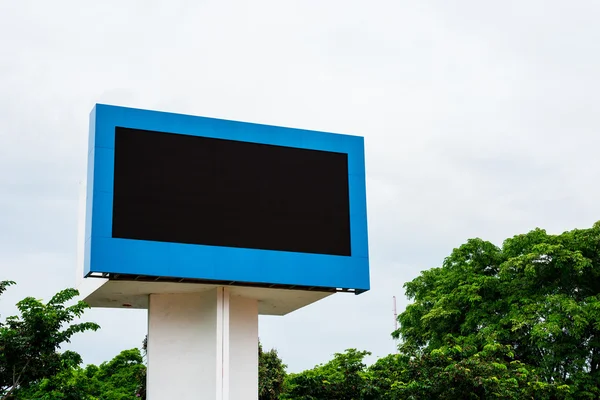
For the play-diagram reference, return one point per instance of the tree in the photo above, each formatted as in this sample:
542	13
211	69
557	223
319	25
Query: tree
30	343
463	372
271	374
120	377
117	379
142	377
343	378
384	374
4	285
74	383
537	296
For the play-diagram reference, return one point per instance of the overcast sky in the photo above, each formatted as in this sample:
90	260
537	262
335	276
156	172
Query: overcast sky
480	119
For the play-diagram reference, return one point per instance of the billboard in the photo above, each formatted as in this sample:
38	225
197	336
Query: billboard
190	198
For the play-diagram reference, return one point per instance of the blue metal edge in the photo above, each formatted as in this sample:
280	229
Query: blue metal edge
104	254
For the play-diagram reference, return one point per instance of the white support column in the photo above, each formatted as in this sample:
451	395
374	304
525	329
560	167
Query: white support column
243	349
202	346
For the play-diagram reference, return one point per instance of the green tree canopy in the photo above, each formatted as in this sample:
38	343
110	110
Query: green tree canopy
30	342
538	294
117	379
271	374
343	378
460	372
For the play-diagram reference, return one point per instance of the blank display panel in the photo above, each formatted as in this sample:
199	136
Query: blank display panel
198	190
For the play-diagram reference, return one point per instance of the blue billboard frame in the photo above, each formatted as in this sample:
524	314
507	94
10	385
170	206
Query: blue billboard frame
114	256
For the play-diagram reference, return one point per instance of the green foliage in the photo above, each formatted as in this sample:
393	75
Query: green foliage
271	374
462	372
29	343
343	378
383	374
538	294
68	384
141	389
4	285
117	379
120	377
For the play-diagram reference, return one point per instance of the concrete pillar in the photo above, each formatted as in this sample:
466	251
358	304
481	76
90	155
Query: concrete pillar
202	346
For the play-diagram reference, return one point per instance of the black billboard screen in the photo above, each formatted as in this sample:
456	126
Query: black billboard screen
199	190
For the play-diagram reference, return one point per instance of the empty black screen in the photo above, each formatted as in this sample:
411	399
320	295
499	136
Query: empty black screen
197	190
